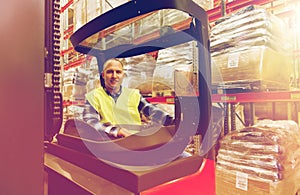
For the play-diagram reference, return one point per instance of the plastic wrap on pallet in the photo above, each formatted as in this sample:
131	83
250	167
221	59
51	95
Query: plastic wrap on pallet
250	47
75	80
242	19
92	84
74	111
93	9
79	16
235	182
119	37
179	58
267	154
148	24
157	21
259	37
250	64
171	17
252	28
77	76
205	4
139	72
74	92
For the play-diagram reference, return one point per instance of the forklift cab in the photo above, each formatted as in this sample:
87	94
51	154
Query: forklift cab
120	33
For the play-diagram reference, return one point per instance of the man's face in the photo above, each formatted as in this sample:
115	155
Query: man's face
113	75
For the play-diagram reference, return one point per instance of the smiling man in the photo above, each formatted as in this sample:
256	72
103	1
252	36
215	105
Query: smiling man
111	104
113	75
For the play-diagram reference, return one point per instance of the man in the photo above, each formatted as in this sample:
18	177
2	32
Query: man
112	104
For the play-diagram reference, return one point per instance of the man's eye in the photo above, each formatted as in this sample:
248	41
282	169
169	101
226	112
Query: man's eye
109	71
119	71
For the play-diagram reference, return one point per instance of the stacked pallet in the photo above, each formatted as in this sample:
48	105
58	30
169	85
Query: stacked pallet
262	158
250	46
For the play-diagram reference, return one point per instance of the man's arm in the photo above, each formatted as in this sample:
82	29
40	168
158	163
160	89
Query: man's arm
91	116
156	114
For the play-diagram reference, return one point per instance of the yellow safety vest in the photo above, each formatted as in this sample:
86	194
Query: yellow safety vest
123	111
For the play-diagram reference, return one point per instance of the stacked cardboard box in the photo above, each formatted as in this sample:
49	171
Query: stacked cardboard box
234	182
258	63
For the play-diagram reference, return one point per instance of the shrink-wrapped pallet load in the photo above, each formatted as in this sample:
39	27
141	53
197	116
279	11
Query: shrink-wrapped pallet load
92	84
139	72
205	4
93	80
262	159
79	17
172	17
93	9
119	36
147	24
268	68
74	81
171	62
249	46
87	10
73	92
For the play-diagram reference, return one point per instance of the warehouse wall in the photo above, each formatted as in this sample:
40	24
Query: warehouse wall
21	99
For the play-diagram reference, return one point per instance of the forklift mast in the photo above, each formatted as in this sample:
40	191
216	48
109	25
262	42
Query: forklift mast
52	94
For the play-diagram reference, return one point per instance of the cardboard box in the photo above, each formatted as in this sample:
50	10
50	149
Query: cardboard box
259	63
233	183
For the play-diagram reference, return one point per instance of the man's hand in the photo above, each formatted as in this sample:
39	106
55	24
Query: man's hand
169	121
123	132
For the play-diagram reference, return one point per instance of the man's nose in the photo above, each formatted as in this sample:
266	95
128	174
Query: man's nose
114	74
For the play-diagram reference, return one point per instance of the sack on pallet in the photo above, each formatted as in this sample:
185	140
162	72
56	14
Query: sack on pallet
267	154
248	46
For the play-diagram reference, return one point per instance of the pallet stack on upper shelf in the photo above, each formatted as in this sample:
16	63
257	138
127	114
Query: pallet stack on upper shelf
286	11
250	46
73	59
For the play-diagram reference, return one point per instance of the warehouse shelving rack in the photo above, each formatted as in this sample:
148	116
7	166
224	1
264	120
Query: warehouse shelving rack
227	101
213	15
230	101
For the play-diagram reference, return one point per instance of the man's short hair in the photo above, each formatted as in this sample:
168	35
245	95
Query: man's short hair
110	60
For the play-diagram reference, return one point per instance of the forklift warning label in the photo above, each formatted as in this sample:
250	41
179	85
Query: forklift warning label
241	181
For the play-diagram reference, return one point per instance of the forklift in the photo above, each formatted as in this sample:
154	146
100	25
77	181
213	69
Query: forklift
78	164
